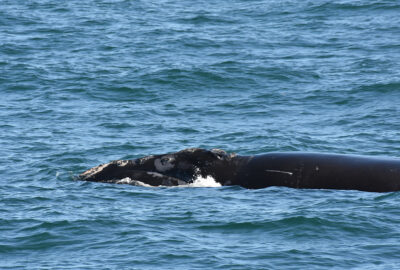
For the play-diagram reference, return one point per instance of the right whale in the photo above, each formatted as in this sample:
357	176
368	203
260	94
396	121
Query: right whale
295	170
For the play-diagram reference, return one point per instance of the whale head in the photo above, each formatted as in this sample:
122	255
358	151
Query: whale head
167	169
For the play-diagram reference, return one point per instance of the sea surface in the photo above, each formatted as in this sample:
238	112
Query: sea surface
86	82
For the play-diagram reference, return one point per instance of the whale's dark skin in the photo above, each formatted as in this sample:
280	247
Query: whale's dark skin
296	170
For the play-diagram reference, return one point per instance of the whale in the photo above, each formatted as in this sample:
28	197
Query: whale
292	169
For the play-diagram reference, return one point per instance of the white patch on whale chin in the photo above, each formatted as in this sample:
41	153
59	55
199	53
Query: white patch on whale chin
199	181
132	182
155	174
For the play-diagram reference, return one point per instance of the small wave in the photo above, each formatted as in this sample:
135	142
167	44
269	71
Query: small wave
353	6
206	18
388	87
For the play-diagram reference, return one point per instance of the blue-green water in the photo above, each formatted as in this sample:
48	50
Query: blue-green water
86	82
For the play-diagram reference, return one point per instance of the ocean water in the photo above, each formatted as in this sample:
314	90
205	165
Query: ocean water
86	82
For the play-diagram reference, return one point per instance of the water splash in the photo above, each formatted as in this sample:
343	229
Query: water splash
200	181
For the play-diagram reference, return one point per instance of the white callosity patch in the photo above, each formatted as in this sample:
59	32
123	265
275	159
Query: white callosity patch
164	163
121	163
94	170
220	154
189	150
167	181
133	182
125	180
155	174
144	159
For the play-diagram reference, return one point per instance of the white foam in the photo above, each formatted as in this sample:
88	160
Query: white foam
209	181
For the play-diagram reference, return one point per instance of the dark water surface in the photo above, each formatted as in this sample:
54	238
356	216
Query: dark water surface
86	82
